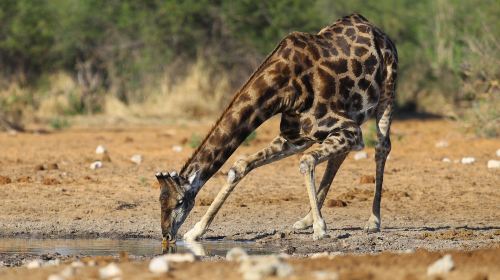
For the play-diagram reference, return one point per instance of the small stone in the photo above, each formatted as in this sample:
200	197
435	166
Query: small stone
493	163
367	179
158	265
236	254
326	275
441	266
447	160
34	264
39	167
258	267
137	159
336	203
96	165
52	166
5	180
68	272
467	160
187	257
360	155
319	255
77	264
498	153
105	157
442	144
177	148
55	277
54	262
100	150
110	271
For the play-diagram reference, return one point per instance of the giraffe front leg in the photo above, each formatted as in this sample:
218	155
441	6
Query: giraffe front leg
331	169
278	149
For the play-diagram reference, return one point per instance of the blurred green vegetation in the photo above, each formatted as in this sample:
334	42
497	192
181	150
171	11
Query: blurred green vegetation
449	49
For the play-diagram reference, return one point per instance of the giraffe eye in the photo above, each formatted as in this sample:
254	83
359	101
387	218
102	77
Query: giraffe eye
180	202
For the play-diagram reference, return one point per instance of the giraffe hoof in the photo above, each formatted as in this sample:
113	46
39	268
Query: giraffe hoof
319	230
193	234
303	223
320	235
373	225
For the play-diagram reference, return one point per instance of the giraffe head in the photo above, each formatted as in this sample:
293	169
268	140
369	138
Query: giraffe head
176	201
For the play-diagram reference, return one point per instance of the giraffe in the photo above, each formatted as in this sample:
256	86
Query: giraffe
325	86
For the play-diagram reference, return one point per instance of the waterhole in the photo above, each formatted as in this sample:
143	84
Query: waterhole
135	247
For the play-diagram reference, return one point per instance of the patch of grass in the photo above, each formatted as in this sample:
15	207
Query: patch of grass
143	181
194	141
252	136
59	123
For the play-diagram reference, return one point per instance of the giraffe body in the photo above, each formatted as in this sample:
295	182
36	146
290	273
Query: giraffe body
324	86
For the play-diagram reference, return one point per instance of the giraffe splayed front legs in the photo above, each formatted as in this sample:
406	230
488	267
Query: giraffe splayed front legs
324	86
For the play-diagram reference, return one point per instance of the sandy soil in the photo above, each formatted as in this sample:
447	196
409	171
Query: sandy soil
48	190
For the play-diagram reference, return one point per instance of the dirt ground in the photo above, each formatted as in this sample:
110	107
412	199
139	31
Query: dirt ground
48	190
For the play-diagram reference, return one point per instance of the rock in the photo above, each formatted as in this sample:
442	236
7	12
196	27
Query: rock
325	275
446	159
467	160
493	163
258	267
498	153
55	277
177	148
5	180
319	255
68	272
236	254
137	159
77	264
336	203
34	264
360	155
54	262
367	179
110	271
100	150
39	167
187	257
441	266
442	144
158	265
52	166
96	165
105	157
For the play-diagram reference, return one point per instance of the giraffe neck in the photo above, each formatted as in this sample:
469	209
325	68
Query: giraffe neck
232	128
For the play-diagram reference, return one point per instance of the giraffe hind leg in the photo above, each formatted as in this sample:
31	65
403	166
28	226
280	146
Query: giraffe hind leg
336	144
332	167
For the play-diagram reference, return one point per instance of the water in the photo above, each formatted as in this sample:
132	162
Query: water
136	247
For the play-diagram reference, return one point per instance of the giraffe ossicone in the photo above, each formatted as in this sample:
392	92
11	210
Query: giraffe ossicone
325	86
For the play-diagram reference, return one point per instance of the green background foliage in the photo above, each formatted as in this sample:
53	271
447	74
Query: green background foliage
126	46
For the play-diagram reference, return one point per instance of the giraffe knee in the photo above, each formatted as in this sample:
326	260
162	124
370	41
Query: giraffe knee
307	163
237	171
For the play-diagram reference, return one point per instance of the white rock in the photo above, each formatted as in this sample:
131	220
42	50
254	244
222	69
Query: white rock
158	265
100	149
319	255
236	254
493	163
360	155
498	153
441	266
137	159
258	267
187	257
446	159
55	277
468	160
442	144
177	148
326	275
110	271
96	165
34	264
54	262
77	264
68	272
